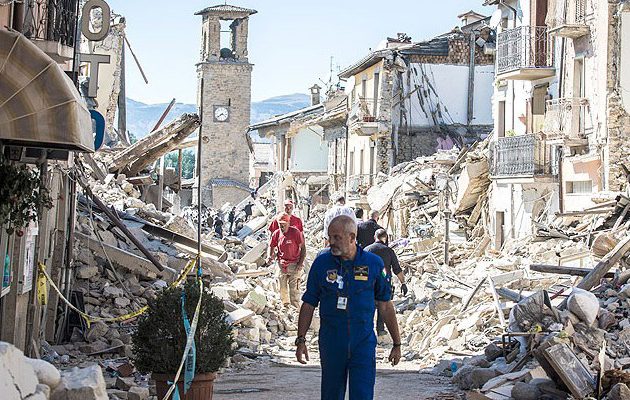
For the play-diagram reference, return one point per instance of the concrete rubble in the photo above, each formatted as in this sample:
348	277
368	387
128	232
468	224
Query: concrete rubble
490	318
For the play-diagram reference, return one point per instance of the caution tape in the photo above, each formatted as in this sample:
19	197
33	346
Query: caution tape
42	288
91	318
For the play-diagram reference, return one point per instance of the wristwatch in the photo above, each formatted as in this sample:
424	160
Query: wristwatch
300	340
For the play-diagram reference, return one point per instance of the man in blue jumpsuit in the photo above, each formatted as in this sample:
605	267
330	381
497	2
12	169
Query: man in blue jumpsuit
348	284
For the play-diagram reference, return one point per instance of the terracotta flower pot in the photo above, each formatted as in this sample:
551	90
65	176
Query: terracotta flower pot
201	388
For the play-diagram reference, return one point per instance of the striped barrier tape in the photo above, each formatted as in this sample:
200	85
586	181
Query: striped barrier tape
91	318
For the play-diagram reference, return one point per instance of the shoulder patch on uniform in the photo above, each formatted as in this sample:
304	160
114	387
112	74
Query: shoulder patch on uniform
331	276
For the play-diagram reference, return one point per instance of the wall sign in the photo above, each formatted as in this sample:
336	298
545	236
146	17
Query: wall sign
85	20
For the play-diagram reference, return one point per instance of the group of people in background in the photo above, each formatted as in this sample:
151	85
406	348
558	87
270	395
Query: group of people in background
287	247
234	220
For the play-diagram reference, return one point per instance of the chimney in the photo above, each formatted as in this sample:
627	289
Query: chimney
315	97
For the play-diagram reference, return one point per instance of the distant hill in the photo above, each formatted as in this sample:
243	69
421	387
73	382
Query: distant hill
142	117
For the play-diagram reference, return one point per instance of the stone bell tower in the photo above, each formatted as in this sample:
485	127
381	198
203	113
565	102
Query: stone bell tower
224	93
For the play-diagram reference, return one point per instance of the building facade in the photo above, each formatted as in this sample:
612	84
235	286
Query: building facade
412	99
559	115
225	100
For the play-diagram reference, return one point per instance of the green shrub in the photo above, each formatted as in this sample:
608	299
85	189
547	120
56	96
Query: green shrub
159	342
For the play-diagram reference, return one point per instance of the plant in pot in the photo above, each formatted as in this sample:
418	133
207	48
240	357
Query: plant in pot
159	342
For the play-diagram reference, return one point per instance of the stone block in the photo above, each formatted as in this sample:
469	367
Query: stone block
122	302
138	393
584	305
81	384
125	383
97	330
46	373
17	377
86	271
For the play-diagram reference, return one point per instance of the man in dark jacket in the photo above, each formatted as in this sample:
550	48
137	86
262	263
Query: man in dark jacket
380	248
367	229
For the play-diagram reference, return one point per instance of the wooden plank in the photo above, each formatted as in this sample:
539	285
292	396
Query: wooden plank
472	294
116	221
588	212
621	217
571	371
557	269
497	303
215	252
605	264
141	180
121	257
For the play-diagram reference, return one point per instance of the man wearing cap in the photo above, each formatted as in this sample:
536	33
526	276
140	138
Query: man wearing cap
287	246
294	221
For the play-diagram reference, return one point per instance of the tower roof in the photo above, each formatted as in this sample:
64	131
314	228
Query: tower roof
226	9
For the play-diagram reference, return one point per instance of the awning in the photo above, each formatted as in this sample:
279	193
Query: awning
39	105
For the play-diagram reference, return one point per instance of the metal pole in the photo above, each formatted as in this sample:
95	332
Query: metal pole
199	141
447	216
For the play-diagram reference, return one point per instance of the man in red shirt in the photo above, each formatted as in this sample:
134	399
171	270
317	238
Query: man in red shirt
287	245
294	221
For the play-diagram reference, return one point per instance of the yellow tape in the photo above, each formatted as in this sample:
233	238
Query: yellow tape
42	289
90	318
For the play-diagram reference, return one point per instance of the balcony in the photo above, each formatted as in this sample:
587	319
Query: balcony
359	184
522	156
569	19
524	53
362	118
52	26
567	119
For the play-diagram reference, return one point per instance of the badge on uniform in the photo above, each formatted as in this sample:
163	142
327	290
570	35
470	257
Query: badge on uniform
342	303
331	276
361	273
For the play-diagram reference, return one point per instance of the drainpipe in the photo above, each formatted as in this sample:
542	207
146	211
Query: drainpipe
514	12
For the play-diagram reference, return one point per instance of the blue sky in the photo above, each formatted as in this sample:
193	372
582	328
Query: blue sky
290	42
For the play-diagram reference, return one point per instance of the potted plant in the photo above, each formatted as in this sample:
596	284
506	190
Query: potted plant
159	342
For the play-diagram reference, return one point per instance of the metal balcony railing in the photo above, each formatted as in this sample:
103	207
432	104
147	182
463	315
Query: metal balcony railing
567	12
524	155
364	110
567	118
523	47
52	20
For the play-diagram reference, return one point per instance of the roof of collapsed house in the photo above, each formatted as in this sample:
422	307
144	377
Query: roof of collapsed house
223	8
286	118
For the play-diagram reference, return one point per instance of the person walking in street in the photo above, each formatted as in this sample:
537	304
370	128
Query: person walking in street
358	213
367	229
288	247
339	208
381	248
294	220
348	284
231	217
218	226
248	211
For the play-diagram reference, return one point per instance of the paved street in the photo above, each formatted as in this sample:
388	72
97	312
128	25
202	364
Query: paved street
269	380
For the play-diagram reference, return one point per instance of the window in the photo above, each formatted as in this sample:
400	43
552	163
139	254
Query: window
501	125
351	164
364	88
376	84
361	162
579	187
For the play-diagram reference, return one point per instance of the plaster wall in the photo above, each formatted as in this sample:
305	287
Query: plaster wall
309	151
451	84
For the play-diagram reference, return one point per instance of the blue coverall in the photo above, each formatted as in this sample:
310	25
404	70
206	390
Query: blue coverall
347	343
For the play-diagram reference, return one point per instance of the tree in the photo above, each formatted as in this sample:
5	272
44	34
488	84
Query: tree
188	162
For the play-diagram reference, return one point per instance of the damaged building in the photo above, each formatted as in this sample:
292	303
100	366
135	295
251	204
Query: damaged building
559	114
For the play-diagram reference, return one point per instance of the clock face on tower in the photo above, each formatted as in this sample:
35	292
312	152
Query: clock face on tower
221	113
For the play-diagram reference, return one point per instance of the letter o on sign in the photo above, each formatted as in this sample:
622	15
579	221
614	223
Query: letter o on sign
85	20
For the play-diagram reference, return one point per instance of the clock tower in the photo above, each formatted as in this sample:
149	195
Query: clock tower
224	96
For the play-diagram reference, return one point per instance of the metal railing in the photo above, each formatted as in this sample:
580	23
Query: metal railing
568	12
523	47
363	110
52	20
524	155
566	117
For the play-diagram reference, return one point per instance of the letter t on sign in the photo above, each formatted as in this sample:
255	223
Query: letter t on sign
94	60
